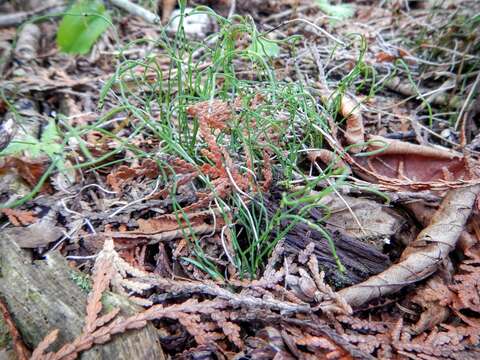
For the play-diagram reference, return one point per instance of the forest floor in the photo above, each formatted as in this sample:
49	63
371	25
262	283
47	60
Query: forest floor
291	179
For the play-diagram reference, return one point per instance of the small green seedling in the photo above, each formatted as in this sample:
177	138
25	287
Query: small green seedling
81	26
341	11
264	47
49	144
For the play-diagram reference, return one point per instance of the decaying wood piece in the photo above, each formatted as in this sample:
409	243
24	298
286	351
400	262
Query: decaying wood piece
360	259
20	349
28	43
42	296
423	256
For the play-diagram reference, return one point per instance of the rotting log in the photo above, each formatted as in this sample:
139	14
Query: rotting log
361	260
42	296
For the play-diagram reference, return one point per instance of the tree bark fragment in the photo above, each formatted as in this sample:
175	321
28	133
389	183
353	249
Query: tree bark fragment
42	296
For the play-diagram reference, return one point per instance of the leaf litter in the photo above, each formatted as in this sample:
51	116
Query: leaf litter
256	193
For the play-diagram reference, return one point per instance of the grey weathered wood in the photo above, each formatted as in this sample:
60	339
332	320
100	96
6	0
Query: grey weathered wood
42	296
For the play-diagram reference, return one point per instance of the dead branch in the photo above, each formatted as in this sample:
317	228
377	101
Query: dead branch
163	236
423	256
14	19
136	10
190	287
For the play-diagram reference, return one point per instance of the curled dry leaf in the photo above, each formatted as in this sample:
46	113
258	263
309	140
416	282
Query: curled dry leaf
329	158
354	131
416	166
404	163
423	256
394	164
171	222
167	8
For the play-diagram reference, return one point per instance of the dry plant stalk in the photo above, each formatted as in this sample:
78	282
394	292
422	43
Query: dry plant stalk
423	256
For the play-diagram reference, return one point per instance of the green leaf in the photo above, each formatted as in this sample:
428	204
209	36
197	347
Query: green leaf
17	147
81	26
48	144
50	140
264	47
341	11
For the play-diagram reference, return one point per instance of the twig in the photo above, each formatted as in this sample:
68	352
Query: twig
14	19
137	10
164	236
316	27
189	287
467	102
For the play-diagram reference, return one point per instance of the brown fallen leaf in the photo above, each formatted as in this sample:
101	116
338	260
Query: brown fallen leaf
170	222
329	158
124	174
414	171
30	170
404	162
19	217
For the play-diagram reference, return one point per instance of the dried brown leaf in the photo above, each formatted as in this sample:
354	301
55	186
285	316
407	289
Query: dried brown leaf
19	217
354	132
421	258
